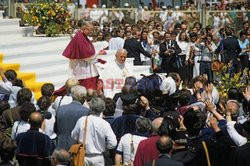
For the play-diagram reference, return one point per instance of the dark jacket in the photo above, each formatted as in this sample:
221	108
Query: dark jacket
124	124
230	48
218	150
6	163
34	148
134	49
169	61
185	155
66	119
165	160
11	115
242	155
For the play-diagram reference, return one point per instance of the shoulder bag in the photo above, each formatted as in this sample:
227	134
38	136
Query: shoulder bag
78	151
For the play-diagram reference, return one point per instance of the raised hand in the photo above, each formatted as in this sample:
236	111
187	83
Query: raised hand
210	106
182	126
144	102
209	88
247	93
214	124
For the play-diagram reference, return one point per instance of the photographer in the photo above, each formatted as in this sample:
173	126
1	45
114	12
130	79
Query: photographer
168	51
207	48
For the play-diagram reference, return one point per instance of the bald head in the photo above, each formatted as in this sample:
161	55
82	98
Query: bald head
156	124
35	120
164	144
121	56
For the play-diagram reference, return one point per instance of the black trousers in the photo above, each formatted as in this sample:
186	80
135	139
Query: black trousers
205	68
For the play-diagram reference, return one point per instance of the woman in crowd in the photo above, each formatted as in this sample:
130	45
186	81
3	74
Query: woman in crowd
129	142
183	57
22	126
244	45
146	46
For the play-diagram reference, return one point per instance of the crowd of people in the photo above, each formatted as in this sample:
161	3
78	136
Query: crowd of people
228	13
150	122
191	47
175	116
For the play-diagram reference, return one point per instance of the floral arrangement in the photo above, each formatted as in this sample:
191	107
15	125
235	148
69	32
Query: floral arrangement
51	18
227	79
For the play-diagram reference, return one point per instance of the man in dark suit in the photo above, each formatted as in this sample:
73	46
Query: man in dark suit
68	115
168	52
230	48
164	146
34	147
134	48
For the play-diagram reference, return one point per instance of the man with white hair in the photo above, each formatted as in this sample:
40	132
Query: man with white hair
115	73
67	98
99	134
68	115
60	157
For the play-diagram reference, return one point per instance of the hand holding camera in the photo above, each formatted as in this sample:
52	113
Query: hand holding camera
169	52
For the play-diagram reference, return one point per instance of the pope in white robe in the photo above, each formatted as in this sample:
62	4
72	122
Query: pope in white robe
115	73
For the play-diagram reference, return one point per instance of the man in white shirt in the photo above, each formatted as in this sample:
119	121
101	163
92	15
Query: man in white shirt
115	73
99	134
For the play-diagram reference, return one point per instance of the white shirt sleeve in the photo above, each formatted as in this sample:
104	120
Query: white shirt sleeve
234	135
188	51
118	108
5	87
120	145
76	131
13	131
110	137
213	47
215	95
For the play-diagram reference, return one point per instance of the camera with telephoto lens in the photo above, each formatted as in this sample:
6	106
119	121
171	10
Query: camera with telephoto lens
171	50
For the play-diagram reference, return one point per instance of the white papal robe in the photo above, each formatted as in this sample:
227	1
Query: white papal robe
114	76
